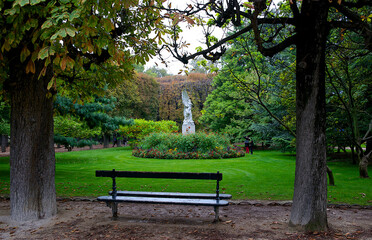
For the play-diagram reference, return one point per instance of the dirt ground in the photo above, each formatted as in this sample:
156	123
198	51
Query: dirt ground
89	219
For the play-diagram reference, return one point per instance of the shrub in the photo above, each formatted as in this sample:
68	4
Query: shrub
191	146
142	128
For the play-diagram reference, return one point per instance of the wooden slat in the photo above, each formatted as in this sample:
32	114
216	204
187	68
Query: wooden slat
177	201
172	175
171	194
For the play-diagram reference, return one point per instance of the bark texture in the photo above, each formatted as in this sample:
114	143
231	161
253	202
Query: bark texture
106	140
363	166
310	188
32	159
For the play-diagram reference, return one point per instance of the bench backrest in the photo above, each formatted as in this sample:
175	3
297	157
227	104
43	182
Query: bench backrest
173	175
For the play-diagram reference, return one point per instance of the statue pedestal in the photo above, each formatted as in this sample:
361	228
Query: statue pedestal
188	128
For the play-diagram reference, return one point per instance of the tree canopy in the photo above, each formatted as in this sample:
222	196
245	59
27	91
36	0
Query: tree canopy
75	47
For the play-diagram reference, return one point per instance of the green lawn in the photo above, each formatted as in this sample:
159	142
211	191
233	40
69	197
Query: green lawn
263	175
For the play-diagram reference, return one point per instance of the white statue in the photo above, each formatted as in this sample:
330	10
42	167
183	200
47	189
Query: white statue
187	109
188	126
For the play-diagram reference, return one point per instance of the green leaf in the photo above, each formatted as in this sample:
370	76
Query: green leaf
71	32
34	2
54	36
24	2
62	32
11	38
47	24
43	53
92	22
75	14
11	11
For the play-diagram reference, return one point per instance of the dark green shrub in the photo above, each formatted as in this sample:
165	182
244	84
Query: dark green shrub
191	146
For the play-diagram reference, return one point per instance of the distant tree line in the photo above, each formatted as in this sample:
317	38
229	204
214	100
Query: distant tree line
151	98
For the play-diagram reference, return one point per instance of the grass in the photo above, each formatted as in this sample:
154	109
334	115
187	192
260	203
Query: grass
266	175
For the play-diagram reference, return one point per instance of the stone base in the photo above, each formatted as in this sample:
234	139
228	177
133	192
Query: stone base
188	128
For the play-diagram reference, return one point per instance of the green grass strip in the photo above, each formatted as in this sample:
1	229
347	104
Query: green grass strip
265	175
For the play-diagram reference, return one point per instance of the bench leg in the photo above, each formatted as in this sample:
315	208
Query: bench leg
114	208
217	214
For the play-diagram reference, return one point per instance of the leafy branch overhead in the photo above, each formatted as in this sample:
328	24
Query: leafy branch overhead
256	15
77	34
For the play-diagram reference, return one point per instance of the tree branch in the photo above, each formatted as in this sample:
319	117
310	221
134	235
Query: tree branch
358	4
358	22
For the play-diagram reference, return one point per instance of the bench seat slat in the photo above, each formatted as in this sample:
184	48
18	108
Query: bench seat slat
171	194
178	201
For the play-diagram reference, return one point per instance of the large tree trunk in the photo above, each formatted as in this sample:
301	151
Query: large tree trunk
32	159
309	209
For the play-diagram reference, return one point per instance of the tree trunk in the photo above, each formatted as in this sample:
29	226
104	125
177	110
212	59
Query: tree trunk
4	142
330	177
106	140
32	158
309	208
363	166
353	158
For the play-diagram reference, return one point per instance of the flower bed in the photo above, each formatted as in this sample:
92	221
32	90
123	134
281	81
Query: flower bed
192	146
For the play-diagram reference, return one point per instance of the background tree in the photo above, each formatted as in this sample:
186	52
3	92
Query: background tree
139	99
258	86
95	114
349	91
306	25
48	44
155	71
71	132
4	123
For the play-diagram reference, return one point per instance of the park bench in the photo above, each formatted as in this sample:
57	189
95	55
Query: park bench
197	199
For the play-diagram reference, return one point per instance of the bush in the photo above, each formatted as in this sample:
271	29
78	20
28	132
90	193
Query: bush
142	128
191	146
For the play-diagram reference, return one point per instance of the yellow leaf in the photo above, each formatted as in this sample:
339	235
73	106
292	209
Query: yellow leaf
70	62
189	20
63	63
24	53
30	68
43	71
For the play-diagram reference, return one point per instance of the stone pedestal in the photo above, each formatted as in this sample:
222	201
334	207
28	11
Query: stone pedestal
188	128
